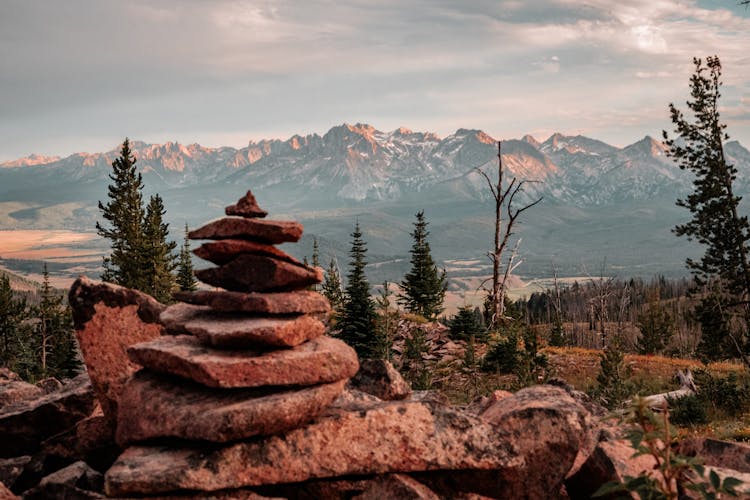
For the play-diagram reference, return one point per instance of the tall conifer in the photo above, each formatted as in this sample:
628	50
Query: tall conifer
157	253
185	278
357	321
332	287
716	222
124	214
15	350
54	339
423	287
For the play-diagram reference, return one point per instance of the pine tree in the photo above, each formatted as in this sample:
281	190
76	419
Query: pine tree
386	323
716	222
185	278
316	253
357	321
612	388
157	253
124	213
15	347
332	287
423	286
712	315
54	339
656	325
465	325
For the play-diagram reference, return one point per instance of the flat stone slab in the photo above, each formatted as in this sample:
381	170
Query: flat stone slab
318	361
153	406
258	273
237	331
246	206
300	302
223	251
264	231
382	437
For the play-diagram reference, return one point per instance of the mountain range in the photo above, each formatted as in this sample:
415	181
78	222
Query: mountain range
599	201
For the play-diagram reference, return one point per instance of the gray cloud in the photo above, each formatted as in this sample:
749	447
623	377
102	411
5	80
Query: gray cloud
82	74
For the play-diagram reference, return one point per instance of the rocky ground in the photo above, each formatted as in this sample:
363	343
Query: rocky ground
238	393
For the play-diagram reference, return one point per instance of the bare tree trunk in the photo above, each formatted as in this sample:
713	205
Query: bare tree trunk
503	198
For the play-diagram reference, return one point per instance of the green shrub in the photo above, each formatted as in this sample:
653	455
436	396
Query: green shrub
688	410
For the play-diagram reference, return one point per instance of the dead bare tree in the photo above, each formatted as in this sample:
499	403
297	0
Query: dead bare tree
504	198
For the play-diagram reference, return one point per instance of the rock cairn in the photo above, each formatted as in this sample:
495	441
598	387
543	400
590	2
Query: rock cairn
248	360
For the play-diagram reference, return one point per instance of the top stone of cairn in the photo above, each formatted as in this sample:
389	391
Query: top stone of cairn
246	207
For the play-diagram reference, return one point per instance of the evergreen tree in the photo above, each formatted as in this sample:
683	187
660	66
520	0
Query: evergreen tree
157	253
612	388
185	278
316	253
557	334
124	213
357	321
716	222
465	325
716	337
54	338
15	347
386	323
423	286
656	325
332	287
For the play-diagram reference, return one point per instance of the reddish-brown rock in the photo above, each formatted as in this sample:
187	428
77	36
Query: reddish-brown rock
90	440
257	273
482	403
383	437
718	453
246	206
379	378
263	231
545	420
223	251
153	406
237	331
321	360
25	424
13	389
300	302
109	319
611	460
11	468
77	481
398	486
6	494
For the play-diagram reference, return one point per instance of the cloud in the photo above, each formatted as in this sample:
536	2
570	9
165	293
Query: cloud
200	69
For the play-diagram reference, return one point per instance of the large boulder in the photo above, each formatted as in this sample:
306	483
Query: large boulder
13	389
109	319
25	424
612	460
718	453
90	440
368	436
78	481
550	429
379	378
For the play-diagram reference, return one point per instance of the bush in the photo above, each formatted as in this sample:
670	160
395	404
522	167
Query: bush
688	410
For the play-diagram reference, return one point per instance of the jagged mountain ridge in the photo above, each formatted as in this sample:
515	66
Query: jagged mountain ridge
356	163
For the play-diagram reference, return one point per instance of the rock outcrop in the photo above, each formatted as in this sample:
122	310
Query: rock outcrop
108	319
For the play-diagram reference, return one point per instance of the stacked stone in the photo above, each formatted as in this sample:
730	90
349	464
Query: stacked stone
248	360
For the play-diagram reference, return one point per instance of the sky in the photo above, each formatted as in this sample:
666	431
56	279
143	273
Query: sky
80	75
